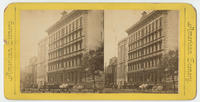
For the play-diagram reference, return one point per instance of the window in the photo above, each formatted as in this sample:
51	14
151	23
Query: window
151	37
80	45
156	46
75	35
74	47
145	50
63	31
152	26
73	62
78	34
72	36
57	66
161	45
70	28
59	34
147	39
80	21
146	63
66	63
139	34
66	30
64	40
64	50
73	26
159	23
56	35
60	64
69	37
131	55
69	63
153	62
158	34
155	35
156	24
79	60
136	36
71	47
150	49
153	47
158	60
142	32
77	25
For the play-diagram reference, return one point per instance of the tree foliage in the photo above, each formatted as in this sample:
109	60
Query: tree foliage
93	61
169	62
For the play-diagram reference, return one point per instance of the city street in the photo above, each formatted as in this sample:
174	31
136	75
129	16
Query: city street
105	90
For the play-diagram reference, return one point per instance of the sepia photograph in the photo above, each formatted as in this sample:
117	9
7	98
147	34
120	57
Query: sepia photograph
99	51
141	51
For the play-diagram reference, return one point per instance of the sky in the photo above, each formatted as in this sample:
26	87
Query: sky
116	24
33	26
34	23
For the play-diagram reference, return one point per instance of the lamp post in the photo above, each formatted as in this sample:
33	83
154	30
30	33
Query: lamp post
86	70
165	81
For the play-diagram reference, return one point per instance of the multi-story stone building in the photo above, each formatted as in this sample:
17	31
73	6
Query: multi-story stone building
32	72
122	66
111	72
69	38
25	77
152	36
42	62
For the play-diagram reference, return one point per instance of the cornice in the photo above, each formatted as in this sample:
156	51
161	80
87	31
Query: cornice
145	20
65	19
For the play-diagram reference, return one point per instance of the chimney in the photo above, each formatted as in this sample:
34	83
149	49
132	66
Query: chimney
144	13
63	13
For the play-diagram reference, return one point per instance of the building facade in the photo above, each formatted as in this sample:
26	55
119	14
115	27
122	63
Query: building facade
69	38
122	66
42	62
25	78
111	72
31	71
152	36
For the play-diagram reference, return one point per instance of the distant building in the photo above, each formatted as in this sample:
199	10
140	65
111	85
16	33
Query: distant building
122	66
29	74
69	38
25	78
111	72
42	62
153	35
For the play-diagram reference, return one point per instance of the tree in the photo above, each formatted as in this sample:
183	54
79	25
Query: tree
169	63
93	62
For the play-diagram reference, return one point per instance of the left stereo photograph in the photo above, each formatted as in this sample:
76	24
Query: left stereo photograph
61	50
